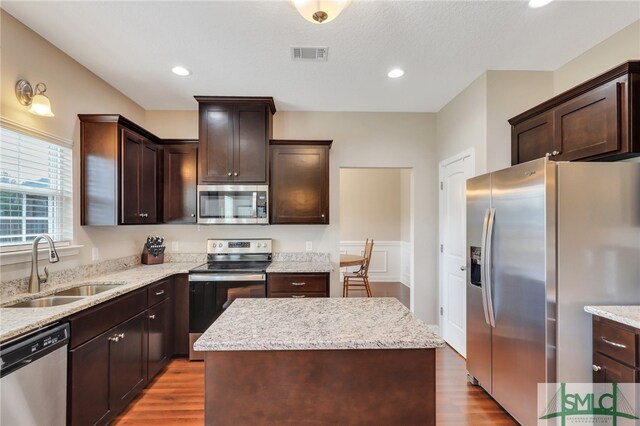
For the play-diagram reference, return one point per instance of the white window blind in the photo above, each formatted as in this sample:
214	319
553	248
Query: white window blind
35	188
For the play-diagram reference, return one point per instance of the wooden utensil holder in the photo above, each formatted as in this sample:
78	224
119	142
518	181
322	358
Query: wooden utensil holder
149	259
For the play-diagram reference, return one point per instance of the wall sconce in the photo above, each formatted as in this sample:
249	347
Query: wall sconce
35	99
320	11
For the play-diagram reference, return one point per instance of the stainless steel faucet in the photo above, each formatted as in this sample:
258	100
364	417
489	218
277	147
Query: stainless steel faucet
35	280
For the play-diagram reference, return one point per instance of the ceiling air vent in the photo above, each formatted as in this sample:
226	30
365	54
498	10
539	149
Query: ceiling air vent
309	53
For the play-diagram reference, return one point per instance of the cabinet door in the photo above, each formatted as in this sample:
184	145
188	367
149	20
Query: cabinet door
216	144
181	314
160	330
588	125
149	182
128	361
532	139
88	389
130	185
251	144
607	370
180	180
299	185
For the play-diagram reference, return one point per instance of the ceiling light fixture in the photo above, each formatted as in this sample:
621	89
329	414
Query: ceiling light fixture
181	71
320	11
36	100
395	73
538	3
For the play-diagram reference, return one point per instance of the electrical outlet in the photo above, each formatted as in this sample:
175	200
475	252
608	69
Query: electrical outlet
95	254
309	246
175	246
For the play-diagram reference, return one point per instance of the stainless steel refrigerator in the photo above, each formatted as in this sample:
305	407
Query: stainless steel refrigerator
544	239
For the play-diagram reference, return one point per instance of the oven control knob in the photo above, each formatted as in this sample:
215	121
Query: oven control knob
220	245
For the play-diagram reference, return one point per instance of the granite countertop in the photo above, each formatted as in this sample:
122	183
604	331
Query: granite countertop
317	324
17	321
297	266
629	315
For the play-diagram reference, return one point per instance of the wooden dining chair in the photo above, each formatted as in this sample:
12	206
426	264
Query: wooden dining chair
359	278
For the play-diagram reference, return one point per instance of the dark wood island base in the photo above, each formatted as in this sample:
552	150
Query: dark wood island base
321	387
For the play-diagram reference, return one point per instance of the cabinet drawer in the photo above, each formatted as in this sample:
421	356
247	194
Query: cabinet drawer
297	295
296	283
94	321
159	291
614	341
607	370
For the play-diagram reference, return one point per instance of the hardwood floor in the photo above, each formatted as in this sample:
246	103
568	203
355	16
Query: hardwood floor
177	397
386	289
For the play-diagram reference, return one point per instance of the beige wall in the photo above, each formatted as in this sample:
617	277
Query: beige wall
406	211
619	48
370	205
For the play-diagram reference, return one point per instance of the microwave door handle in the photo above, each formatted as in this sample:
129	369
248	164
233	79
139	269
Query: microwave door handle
483	255
255	204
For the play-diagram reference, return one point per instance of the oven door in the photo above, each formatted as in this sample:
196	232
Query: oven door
233	204
211	293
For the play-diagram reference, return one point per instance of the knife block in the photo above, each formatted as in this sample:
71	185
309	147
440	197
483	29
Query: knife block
149	259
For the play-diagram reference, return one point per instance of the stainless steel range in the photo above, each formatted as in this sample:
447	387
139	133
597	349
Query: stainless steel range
234	269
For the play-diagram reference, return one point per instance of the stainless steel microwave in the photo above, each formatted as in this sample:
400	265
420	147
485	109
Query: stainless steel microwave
233	204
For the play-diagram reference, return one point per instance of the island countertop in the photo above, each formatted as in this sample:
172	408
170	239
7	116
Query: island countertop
317	324
629	315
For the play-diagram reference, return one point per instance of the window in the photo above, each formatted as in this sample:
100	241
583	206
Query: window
35	187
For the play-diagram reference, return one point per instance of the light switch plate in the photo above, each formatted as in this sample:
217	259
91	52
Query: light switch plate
175	246
309	246
95	253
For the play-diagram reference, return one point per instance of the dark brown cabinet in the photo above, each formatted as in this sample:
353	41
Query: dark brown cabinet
107	372
597	120
298	285
615	352
181	314
118	171
299	188
160	330
139	179
179	178
234	134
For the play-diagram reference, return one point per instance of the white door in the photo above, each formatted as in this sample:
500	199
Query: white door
454	173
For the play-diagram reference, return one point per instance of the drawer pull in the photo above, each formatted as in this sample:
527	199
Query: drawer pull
596	367
300	296
609	342
159	293
152	316
298	284
114	339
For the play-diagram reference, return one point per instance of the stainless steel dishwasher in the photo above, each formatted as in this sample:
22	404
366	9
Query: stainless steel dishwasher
33	378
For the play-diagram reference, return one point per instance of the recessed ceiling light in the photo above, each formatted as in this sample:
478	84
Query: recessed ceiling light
181	71
538	3
395	73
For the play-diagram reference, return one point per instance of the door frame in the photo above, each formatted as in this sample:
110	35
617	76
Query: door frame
457	157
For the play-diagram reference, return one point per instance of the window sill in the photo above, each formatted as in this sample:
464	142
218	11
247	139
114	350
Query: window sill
24	256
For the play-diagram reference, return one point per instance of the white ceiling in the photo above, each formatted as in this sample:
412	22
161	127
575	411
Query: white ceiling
242	47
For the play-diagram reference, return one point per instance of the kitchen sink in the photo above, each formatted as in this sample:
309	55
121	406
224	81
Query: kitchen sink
45	302
87	290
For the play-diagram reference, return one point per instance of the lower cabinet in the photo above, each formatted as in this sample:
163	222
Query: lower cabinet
615	352
160	343
298	285
107	372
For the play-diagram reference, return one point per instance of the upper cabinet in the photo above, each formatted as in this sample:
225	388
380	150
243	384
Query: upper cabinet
234	139
119	171
299	185
597	120
179	177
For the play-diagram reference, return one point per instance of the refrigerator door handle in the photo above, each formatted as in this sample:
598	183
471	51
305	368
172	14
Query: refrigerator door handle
483	279
488	259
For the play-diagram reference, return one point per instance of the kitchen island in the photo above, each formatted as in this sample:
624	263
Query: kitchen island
320	361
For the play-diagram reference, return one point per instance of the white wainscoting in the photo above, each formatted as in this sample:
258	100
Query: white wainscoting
390	260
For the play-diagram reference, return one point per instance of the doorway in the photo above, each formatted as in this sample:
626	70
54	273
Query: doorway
375	203
454	173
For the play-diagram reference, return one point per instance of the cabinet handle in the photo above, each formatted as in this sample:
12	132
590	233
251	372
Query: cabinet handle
298	283
143	215
596	367
321	215
159	293
121	335
609	342
298	296
152	316
235	174
548	154
554	153
193	215
114	339
229	174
